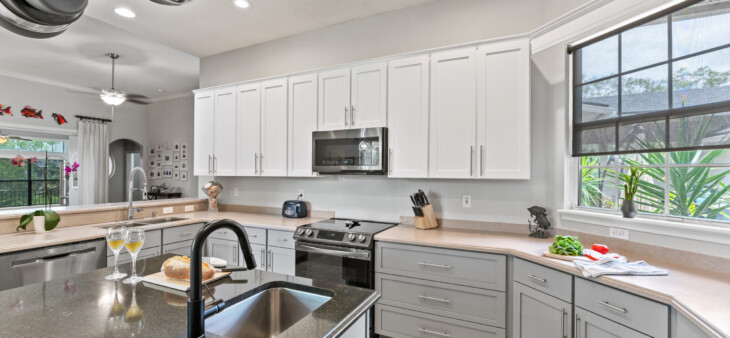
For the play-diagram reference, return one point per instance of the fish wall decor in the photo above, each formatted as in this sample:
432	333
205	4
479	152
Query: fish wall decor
59	119
5	110
32	113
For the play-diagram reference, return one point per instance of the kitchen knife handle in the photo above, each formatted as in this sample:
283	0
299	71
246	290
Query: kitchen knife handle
352	115
346	108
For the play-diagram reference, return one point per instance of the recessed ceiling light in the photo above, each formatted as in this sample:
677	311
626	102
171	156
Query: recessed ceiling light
125	12
242	3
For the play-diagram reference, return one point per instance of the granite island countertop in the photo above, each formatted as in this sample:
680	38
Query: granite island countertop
87	305
700	295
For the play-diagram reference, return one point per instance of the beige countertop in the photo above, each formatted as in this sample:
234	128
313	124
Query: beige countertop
61	210
29	240
700	295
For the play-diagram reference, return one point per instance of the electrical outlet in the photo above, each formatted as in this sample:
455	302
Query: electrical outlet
466	201
619	233
167	210
301	192
235	192
189	208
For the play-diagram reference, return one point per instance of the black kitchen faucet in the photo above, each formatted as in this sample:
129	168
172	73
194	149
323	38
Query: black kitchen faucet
196	303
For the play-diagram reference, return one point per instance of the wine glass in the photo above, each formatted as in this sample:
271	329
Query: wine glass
133	241
115	240
134	318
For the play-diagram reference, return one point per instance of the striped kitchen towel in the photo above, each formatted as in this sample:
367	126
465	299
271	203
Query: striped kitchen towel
611	266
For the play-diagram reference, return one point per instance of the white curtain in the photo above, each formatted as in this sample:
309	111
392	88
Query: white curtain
93	148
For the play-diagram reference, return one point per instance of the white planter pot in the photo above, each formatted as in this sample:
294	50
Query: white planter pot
39	224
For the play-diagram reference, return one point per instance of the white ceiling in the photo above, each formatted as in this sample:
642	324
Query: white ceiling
207	27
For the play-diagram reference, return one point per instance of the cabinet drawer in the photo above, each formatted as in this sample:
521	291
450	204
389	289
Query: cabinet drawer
180	233
281	239
555	283
179	248
636	312
125	257
589	325
401	323
458	302
467	268
152	238
255	235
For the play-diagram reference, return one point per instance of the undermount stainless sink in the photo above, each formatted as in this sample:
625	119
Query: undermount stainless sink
145	221
265	314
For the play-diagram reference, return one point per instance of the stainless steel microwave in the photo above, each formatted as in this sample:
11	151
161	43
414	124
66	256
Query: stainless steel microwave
350	151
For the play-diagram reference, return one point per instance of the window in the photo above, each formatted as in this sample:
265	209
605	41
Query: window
657	95
25	186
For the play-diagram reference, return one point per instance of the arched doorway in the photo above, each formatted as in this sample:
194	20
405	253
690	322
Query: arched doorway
124	154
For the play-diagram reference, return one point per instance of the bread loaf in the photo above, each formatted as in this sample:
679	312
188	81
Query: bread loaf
178	267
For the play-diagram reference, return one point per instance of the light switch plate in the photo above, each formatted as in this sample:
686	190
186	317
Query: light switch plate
189	208
167	210
235	192
466	201
618	233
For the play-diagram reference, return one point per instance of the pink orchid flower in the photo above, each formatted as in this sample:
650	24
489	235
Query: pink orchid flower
18	161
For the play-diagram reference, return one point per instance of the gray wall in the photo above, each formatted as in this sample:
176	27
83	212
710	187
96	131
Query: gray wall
172	121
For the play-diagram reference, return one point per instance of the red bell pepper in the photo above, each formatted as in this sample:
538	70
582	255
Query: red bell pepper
603	249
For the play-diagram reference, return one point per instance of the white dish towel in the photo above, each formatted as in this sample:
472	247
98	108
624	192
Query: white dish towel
611	266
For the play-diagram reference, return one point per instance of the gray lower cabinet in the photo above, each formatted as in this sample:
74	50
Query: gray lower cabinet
282	260
125	257
682	327
259	255
396	322
590	325
273	250
539	315
179	248
224	249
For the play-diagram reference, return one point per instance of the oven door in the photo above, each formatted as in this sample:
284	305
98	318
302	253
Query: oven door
338	264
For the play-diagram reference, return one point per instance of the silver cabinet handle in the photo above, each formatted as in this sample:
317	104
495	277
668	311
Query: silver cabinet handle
256	163
481	160
577	325
471	161
262	262
235	254
281	239
435	265
352	115
535	278
612	307
187	234
346	116
270	260
261	164
215	165
390	161
565	319
435	333
442	300
52	257
210	170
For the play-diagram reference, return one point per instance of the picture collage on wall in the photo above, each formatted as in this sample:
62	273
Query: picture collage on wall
169	160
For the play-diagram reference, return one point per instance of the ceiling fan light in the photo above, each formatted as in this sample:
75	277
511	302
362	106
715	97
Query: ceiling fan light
112	97
125	12
242	3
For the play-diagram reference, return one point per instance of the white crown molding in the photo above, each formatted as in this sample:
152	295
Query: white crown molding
48	82
170	97
568	17
42	129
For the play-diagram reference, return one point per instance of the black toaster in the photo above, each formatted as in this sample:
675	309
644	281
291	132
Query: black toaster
294	209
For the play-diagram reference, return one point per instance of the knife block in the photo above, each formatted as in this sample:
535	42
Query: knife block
428	221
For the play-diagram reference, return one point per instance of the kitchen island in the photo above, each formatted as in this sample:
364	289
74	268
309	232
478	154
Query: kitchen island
87	305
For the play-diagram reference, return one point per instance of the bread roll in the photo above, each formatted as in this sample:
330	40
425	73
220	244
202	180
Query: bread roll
178	267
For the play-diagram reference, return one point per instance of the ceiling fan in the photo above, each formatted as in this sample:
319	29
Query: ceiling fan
112	96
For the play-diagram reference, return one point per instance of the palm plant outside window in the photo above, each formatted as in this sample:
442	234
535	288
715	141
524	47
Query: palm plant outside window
657	95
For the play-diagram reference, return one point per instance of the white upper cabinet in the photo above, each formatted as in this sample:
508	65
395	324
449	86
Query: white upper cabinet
453	113
302	122
203	143
249	129
273	158
503	101
224	156
334	99
368	99
408	117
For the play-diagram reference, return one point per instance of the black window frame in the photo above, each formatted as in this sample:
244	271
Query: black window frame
29	181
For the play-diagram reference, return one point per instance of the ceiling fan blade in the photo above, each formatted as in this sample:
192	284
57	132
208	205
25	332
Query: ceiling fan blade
137	97
82	92
137	101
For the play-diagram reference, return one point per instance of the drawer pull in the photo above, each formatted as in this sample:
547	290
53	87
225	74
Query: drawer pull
186	234
435	333
281	239
541	280
434	299
612	307
435	265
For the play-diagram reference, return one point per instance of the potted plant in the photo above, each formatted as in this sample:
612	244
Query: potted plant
628	207
44	219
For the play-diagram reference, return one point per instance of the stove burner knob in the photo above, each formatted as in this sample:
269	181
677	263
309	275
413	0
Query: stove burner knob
351	237
309	232
361	238
300	232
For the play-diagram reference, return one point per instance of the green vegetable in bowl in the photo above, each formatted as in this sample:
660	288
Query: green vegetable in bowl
567	246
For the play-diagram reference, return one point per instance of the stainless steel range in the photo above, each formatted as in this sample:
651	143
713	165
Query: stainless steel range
339	250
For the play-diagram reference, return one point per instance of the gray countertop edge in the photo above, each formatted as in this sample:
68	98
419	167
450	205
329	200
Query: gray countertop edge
344	324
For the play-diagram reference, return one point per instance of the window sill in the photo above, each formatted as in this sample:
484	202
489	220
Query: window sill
699	232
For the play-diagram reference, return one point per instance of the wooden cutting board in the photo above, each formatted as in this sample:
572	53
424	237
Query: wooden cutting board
565	258
178	284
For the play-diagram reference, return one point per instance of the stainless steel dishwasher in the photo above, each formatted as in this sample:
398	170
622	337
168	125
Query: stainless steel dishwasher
61	261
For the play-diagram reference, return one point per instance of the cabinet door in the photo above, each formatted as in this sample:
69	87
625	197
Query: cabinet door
259	255
538	315
302	122
282	261
334	100
223	249
273	128
204	129
224	156
368	96
682	327
590	325
503	100
408	117
453	113
249	129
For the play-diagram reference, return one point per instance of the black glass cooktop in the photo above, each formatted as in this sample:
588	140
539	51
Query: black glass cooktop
351	225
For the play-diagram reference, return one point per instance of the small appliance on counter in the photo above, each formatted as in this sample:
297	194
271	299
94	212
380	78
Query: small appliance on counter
294	208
